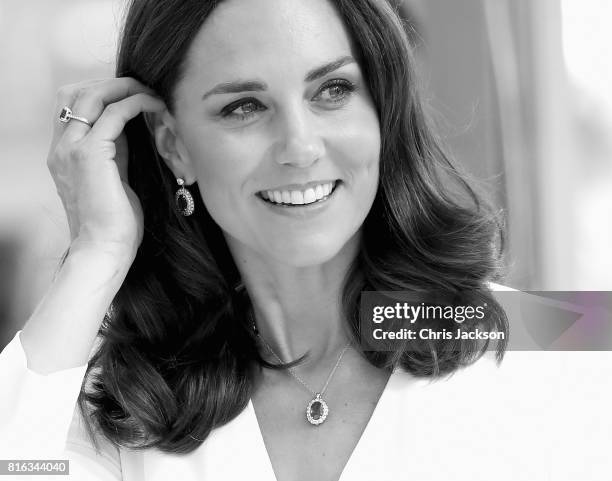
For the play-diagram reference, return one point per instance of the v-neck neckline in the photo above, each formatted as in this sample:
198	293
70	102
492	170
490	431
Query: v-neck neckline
363	439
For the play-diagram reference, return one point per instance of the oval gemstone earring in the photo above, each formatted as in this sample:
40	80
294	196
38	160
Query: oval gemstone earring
183	199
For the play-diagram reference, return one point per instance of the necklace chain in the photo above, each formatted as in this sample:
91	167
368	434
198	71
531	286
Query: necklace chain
292	370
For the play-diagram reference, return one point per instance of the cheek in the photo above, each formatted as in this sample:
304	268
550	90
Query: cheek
218	164
358	144
222	167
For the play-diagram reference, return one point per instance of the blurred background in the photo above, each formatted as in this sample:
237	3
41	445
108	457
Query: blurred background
522	90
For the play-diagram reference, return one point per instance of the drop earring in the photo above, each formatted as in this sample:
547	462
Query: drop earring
183	199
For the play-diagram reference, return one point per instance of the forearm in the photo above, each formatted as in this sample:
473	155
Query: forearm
61	331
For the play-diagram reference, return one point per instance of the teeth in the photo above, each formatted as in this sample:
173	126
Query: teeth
297	197
309	196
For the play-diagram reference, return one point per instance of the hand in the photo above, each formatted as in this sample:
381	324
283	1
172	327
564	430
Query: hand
89	164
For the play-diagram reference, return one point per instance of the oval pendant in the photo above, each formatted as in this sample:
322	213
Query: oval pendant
317	410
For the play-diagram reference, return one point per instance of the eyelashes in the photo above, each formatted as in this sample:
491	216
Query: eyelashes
341	88
250	106
331	95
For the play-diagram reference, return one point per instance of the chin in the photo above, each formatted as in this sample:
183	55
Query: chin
306	253
310	251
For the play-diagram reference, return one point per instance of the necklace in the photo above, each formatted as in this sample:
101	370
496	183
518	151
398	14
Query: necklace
317	409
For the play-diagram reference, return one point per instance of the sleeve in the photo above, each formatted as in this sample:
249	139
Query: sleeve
40	419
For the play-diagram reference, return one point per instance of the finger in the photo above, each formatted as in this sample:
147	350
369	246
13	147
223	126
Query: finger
121	156
66	97
92	99
112	121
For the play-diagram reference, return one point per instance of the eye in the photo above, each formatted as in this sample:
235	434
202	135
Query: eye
242	109
336	91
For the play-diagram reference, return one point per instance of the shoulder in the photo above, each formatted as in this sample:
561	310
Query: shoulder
93	451
485	366
500	287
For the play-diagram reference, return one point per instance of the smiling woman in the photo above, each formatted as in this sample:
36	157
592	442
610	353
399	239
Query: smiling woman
308	173
279	111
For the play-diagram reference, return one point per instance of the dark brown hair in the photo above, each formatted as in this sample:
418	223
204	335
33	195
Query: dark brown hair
176	357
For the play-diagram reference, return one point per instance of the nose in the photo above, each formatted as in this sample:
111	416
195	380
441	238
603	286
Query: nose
300	144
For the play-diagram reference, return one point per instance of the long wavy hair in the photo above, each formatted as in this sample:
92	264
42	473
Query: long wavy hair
176	357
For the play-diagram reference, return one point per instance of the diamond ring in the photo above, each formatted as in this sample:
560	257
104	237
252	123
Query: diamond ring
66	115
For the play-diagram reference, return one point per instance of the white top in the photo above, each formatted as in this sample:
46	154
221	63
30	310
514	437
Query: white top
539	416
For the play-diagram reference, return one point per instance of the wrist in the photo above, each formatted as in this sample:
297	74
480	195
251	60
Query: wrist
113	253
100	264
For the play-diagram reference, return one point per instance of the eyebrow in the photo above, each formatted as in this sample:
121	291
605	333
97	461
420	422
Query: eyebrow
328	68
258	86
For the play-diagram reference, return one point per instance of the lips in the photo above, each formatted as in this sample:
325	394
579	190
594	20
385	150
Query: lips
310	194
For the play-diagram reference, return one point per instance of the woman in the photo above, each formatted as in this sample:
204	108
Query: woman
279	164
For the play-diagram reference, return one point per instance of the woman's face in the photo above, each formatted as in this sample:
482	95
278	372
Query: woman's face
273	101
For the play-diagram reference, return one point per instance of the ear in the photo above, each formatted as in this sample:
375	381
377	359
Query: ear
162	127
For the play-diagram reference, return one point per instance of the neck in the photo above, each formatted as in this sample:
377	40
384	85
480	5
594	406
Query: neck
297	309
